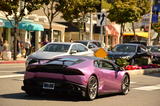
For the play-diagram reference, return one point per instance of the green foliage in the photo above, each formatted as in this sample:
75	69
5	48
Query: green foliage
156	27
121	62
75	9
124	11
12	7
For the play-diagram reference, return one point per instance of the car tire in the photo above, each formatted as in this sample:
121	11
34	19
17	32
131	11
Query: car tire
92	88
125	85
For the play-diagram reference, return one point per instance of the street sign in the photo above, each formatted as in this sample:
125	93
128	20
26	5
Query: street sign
101	19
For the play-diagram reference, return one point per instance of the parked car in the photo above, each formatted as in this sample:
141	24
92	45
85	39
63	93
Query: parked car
52	50
155	51
91	44
129	51
84	75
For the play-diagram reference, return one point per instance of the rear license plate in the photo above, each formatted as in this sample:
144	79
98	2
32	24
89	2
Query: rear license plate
48	85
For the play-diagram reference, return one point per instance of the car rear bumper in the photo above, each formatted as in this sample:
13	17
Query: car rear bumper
61	86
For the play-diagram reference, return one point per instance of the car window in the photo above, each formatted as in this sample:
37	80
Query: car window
74	47
106	65
142	49
81	48
124	48
82	42
92	45
98	44
155	49
56	48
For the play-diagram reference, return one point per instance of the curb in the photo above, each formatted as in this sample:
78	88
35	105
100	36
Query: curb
143	71
12	62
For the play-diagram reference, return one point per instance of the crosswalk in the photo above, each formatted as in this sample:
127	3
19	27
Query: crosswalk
11	76
140	88
149	88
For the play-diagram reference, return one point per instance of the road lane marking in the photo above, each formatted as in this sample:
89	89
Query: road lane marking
132	82
10	71
10	76
148	88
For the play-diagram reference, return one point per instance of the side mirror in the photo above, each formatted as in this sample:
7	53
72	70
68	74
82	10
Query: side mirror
73	51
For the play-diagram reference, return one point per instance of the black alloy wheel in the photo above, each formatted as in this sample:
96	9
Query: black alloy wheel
125	85
92	88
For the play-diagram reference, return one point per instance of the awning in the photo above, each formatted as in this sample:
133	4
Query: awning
1	23
29	26
140	34
5	23
112	30
25	25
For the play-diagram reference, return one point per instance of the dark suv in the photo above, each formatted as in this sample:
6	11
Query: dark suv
129	51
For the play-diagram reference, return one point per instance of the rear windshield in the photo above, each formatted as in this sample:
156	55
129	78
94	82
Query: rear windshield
56	48
66	61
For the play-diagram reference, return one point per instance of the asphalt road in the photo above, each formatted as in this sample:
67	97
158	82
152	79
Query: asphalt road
145	91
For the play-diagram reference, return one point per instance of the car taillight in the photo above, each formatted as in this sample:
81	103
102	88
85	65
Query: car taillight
70	71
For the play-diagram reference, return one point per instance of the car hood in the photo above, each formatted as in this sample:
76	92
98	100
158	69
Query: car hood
46	55
119	54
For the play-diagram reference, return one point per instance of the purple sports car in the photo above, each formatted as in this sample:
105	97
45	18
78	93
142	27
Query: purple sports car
88	76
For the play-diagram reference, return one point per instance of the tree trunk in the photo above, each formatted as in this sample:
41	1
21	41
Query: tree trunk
50	33
121	33
133	28
15	44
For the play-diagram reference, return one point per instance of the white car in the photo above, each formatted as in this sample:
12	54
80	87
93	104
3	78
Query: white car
51	50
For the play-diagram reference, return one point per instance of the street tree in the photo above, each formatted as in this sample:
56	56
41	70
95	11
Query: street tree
76	11
50	11
124	11
17	9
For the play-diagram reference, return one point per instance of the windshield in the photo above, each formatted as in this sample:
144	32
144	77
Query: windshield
124	48
155	49
56	48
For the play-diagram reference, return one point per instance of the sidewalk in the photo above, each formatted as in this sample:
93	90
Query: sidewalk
19	60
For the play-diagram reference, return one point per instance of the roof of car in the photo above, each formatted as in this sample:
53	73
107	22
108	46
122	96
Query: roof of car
86	40
69	43
130	44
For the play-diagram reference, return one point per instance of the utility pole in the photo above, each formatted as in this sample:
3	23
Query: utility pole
150	24
91	26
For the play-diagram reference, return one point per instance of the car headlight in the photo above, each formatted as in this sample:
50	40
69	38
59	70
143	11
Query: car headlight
30	61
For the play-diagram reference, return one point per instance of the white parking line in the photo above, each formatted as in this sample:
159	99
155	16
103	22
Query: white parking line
10	76
148	88
132	82
9	71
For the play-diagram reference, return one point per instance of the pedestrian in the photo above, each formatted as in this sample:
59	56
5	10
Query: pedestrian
27	47
45	42
6	46
6	53
1	47
71	40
